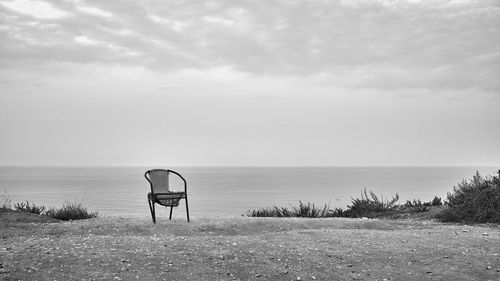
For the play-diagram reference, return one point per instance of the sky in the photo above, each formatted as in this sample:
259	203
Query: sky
250	83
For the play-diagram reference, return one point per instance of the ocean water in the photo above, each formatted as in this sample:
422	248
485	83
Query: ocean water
215	191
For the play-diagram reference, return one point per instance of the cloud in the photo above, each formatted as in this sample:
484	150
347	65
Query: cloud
381	44
37	9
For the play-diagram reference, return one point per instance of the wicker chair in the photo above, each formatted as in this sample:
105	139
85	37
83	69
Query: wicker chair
161	194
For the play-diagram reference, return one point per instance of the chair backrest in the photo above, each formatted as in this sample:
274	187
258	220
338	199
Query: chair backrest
158	180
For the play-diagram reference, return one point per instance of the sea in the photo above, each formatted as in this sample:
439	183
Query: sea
226	191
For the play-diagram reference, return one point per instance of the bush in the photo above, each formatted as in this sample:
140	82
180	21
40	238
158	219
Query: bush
310	211
436	201
367	206
269	212
71	211
5	203
474	201
370	206
416	206
26	207
303	210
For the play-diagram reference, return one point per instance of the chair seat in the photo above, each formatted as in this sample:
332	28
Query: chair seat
170	199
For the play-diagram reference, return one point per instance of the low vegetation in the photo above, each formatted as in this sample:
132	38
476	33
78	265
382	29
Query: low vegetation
418	206
29	208
302	210
369	206
6	201
474	201
69	211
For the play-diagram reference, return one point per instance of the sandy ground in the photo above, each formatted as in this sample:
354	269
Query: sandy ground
241	248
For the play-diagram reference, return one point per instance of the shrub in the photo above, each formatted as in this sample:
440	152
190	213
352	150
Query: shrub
303	210
5	200
268	212
416	206
367	206
337	213
310	211
474	201
370	206
436	201
26	207
71	211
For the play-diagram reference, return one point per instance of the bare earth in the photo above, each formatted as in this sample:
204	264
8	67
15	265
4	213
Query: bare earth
240	248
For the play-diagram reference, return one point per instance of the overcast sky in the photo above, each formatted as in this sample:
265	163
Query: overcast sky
250	82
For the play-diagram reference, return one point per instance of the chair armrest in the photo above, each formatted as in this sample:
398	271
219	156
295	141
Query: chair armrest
182	178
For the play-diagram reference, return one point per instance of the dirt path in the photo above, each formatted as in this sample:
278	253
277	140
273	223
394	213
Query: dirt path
111	248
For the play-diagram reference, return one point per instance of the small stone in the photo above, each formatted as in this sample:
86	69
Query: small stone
258	275
298	278
488	267
445	257
117	278
485	234
313	277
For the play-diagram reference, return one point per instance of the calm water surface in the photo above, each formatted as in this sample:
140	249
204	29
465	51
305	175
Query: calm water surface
226	190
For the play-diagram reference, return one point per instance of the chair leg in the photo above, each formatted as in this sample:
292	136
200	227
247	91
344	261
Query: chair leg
152	209
187	209
171	208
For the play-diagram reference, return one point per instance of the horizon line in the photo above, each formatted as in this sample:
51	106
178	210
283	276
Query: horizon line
249	166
